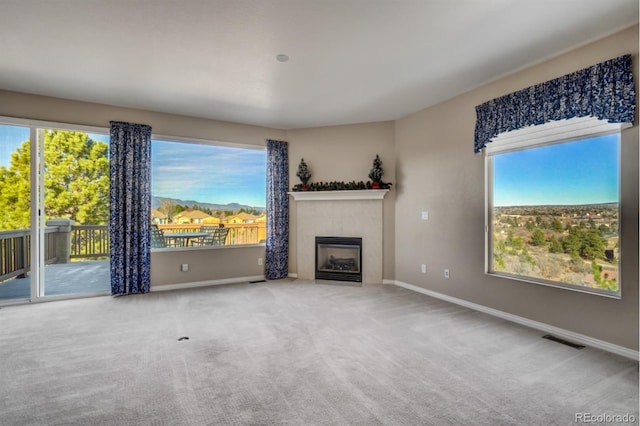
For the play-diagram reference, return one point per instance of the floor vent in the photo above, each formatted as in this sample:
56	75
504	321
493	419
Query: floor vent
564	342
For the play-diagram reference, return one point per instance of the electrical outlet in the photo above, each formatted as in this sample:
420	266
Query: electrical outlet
446	273
184	267
260	261
424	268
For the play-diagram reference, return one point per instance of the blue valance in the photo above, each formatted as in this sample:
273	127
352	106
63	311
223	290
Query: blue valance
604	91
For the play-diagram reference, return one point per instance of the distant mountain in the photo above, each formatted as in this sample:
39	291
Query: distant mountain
155	203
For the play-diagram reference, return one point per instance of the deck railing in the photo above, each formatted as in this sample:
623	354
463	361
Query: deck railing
247	233
64	242
15	251
89	242
239	233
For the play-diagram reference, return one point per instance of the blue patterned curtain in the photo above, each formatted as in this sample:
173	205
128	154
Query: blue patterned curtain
277	250
129	219
604	91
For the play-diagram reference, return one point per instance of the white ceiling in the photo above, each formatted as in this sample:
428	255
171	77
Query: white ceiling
350	60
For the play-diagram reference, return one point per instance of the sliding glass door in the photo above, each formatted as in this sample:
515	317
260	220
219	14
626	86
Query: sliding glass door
76	212
55	198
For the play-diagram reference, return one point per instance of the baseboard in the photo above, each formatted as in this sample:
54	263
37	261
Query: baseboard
292	275
556	331
207	283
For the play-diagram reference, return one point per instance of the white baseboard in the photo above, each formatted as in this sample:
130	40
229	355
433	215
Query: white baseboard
556	331
292	275
207	283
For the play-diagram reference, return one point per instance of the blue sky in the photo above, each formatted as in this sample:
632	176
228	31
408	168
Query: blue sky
11	137
204	173
582	172
211	174
207	173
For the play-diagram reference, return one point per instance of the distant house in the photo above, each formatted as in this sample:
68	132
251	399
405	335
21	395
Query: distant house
241	218
211	220
262	218
195	216
158	217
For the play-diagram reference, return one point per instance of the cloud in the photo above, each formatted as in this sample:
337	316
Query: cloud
208	173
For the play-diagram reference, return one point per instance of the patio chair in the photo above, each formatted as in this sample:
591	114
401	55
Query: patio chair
157	237
217	235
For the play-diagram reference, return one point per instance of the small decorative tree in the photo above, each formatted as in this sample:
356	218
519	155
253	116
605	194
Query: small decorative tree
376	172
304	174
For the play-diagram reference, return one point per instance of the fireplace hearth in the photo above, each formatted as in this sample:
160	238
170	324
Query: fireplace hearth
339	259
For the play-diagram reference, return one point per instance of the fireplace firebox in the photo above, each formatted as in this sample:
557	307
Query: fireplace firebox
339	259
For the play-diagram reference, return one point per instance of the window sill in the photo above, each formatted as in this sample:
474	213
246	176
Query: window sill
586	290
196	248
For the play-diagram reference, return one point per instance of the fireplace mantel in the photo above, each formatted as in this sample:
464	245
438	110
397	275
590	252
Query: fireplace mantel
359	194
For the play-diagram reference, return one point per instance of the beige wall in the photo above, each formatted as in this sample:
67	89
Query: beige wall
437	170
345	154
215	264
45	108
204	265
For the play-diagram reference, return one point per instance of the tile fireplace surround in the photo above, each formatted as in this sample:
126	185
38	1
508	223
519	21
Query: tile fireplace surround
340	214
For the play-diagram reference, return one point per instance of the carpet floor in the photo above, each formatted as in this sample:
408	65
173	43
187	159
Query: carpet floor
295	353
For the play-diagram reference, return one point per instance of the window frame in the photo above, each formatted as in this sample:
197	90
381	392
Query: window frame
548	134
207	142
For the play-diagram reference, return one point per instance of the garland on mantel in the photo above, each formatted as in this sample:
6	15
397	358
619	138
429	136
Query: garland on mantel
339	186
375	174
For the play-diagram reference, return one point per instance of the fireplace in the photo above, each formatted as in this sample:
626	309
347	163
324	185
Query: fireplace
339	259
339	213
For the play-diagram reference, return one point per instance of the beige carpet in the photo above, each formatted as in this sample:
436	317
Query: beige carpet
296	353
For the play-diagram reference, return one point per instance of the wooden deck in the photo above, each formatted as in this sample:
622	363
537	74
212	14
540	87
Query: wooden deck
90	276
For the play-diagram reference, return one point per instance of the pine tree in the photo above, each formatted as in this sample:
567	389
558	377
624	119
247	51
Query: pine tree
76	177
15	190
555	246
76	181
537	238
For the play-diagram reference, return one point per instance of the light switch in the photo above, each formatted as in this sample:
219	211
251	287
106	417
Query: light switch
425	215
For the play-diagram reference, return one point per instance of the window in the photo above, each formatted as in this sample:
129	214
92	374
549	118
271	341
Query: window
199	187
553	208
